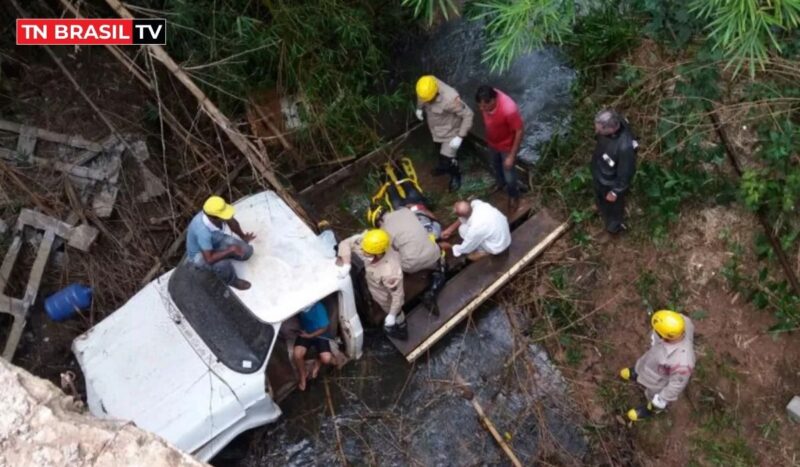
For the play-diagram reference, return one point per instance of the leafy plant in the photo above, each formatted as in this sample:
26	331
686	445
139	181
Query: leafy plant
747	30
428	9
670	21
516	27
330	53
600	36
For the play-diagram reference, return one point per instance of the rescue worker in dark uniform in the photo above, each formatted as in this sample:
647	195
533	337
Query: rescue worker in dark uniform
613	166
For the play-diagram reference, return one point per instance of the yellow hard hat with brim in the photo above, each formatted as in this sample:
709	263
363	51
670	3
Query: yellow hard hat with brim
375	242
668	324
217	207
427	87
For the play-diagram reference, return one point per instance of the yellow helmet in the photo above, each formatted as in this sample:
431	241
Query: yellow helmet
427	87
217	207
375	242
668	324
374	214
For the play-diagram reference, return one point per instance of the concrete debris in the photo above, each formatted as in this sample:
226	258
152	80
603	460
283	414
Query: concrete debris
41	426
95	170
80	237
152	184
793	409
3	227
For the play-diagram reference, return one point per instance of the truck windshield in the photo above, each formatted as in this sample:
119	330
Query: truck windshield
237	338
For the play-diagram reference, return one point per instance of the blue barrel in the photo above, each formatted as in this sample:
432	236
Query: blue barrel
66	302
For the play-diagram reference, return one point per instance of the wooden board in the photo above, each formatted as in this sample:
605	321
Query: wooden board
476	283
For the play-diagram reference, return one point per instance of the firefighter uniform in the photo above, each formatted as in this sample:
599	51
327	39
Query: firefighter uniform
665	369
417	251
448	118
384	277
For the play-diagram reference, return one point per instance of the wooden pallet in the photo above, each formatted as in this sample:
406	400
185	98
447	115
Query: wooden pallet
472	286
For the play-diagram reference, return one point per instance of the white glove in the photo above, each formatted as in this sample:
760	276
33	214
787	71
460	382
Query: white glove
659	403
455	143
344	271
389	321
420	115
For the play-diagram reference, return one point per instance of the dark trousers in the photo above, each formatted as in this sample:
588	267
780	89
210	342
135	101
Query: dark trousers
447	165
613	214
505	178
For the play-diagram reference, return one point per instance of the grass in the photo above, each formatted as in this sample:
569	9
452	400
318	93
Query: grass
719	442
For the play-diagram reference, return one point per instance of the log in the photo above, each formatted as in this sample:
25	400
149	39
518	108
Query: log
762	216
487	422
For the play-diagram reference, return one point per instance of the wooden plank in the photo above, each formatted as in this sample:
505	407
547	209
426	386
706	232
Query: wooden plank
343	173
9	260
476	283
69	140
26	143
37	270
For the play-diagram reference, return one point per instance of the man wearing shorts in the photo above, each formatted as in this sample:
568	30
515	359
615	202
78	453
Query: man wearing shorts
314	334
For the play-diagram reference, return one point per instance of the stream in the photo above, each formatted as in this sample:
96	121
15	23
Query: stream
388	412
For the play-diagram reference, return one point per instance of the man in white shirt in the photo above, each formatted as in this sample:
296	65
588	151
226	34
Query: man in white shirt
483	229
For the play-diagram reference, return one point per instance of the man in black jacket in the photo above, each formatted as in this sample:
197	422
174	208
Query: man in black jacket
613	166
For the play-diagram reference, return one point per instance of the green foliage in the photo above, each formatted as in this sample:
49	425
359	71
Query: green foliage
516	27
670	21
747	30
686	173
428	9
332	53
600	36
775	187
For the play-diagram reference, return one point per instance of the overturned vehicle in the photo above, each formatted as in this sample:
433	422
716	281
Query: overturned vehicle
198	362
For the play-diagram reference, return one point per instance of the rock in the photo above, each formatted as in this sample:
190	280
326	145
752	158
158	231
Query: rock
793	409
41	426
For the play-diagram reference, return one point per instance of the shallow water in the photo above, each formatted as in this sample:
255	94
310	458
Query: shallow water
391	413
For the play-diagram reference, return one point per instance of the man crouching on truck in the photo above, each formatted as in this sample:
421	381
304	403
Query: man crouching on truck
314	325
210	245
384	275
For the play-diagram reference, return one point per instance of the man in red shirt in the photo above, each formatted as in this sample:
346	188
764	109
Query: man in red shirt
504	129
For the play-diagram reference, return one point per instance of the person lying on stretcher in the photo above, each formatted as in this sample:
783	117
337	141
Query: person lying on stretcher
399	208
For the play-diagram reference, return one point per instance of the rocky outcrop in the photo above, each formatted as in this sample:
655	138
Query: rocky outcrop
41	426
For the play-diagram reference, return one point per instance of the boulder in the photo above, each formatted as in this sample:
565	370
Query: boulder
42	426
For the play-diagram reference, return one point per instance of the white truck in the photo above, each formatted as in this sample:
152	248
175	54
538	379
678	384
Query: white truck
198	362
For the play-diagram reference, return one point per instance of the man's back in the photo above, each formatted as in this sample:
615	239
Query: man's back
412	241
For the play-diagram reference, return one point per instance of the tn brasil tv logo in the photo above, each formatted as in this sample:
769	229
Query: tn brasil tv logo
117	31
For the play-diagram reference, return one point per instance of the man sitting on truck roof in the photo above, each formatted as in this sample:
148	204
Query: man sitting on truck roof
314	325
384	275
482	227
210	243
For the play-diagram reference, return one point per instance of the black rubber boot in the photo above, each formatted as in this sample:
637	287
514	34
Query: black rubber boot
442	166
640	413
455	183
398	331
429	300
